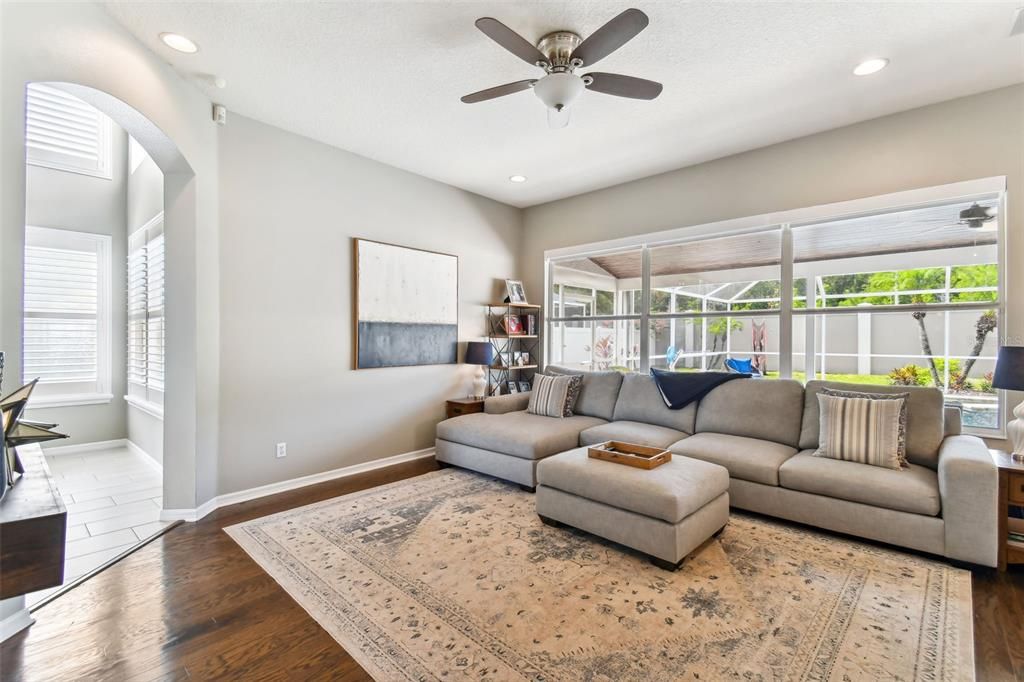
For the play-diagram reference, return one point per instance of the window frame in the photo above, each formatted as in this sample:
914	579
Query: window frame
985	188
146	396
102	392
55	160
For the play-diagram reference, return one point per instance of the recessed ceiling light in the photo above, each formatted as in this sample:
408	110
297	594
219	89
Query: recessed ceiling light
179	43
517	178
870	66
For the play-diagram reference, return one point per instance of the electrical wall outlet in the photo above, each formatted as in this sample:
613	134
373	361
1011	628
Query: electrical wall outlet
282	450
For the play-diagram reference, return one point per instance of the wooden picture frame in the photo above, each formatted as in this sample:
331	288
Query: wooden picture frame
410	326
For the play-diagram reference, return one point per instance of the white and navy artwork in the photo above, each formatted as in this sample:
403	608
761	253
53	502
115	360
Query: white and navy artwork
407	306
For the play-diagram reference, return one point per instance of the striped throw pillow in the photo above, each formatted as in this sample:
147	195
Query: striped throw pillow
905	397
554	396
861	430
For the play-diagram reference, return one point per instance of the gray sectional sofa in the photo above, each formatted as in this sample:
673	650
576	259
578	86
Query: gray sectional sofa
764	433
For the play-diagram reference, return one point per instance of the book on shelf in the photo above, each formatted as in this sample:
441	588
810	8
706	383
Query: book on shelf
529	324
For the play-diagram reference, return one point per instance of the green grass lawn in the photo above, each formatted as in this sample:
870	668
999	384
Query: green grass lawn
874	379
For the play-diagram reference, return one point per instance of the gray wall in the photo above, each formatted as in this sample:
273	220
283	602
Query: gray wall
84	203
290	209
962	139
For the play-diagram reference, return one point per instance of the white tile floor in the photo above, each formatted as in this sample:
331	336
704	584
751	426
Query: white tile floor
113	499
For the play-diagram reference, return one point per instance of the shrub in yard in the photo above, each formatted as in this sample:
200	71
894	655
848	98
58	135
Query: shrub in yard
908	375
985	383
957	381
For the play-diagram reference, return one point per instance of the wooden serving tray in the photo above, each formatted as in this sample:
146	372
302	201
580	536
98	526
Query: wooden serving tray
630	454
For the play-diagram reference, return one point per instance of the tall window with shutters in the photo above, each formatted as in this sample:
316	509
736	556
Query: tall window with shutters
146	315
65	133
67	316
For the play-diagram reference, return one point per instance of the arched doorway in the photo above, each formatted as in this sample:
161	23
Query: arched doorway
134	246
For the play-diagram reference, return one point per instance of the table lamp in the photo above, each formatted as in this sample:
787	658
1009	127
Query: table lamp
479	353
1009	374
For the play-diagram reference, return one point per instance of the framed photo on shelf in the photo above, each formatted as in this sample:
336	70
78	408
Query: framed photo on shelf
513	387
516	293
524	386
513	325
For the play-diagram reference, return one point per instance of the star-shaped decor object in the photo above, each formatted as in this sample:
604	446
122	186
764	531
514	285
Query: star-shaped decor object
18	431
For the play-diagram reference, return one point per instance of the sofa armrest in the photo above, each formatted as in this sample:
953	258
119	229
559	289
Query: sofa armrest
969	487
510	402
952	421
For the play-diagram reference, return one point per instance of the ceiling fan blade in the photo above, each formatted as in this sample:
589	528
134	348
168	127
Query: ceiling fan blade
611	36
510	40
498	91
623	86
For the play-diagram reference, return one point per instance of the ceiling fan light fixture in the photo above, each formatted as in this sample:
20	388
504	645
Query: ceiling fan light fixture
977	217
870	66
559	90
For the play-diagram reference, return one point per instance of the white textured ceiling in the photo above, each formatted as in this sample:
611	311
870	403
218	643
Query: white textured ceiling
383	79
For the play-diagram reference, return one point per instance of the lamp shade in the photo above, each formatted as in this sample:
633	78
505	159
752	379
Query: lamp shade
1009	372
479	353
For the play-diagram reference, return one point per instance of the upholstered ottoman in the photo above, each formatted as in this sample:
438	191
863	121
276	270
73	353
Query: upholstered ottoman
665	512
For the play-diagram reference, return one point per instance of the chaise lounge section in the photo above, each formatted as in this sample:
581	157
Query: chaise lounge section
763	433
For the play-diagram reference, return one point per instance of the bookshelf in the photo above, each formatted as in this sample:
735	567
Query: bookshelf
510	344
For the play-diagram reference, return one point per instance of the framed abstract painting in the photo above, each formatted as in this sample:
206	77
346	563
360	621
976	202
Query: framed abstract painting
406	306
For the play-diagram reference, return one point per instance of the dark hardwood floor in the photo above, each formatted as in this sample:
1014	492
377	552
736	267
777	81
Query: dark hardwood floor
192	606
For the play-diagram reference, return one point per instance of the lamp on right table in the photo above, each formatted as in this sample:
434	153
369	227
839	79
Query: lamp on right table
1009	375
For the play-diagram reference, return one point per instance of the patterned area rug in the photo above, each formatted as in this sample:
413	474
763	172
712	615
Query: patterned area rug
451	575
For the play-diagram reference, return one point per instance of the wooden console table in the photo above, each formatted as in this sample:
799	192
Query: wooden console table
33	523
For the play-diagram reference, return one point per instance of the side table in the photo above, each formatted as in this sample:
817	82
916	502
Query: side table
460	406
1011	494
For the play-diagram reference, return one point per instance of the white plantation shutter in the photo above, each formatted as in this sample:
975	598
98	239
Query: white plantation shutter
65	133
146	312
67	308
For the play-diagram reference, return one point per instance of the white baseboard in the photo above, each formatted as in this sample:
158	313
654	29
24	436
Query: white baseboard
291	484
150	460
84	447
15	623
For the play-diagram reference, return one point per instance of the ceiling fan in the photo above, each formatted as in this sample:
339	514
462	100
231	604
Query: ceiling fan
562	52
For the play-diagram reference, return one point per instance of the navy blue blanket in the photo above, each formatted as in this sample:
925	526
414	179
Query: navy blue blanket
679	389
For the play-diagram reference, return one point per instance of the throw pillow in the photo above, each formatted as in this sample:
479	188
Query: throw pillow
554	396
860	430
881	396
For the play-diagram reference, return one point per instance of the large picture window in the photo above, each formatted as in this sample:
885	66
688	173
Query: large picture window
906	296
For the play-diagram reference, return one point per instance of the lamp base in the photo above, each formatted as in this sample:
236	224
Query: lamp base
479	383
1015	431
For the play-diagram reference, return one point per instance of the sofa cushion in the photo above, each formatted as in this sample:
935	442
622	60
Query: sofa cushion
598	393
641	401
914	489
763	409
855	427
519	434
670	492
924	418
554	396
631	432
750	459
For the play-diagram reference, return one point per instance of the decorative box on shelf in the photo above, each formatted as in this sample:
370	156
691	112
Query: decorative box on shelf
512	330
